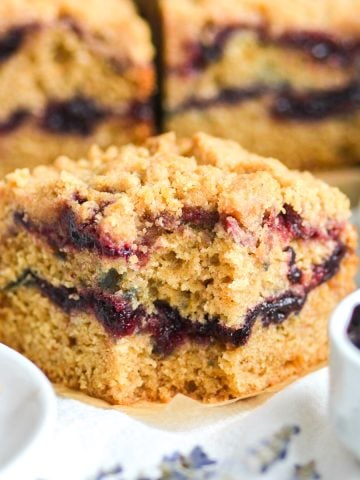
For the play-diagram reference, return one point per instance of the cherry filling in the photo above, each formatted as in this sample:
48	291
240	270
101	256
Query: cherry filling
167	328
354	327
321	47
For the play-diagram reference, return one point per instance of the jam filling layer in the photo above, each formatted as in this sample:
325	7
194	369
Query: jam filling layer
319	46
165	325
79	115
284	102
68	233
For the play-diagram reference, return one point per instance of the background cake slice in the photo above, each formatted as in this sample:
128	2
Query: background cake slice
282	80
192	267
71	74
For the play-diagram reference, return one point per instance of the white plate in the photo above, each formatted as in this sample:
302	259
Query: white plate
27	413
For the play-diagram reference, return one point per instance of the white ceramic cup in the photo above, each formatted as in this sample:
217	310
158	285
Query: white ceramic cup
344	400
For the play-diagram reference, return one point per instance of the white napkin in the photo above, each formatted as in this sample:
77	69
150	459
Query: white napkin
90	439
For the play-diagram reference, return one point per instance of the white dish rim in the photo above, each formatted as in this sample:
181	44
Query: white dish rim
339	324
46	421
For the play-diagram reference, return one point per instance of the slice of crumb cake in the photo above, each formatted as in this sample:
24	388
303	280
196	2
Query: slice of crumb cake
281	79
71	75
192	267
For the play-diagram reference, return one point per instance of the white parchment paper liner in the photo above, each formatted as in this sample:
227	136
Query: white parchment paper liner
182	412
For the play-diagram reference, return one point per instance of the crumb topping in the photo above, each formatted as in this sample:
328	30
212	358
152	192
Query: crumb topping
122	186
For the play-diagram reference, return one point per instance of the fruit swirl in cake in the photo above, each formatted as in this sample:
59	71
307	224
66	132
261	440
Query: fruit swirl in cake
119	311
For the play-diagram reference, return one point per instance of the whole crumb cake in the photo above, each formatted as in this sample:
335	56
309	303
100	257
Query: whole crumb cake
71	74
177	266
282	80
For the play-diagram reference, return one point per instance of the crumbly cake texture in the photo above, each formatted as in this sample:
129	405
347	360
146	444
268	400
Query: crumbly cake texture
70	77
281	81
185	266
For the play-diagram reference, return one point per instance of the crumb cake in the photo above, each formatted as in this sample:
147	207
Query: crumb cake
281	80
71	76
179	266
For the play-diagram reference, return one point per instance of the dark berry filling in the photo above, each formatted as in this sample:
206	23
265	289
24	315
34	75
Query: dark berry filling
226	96
309	105
354	327
289	225
326	270
165	325
286	104
78	116
291	222
15	121
167	328
141	111
295	274
316	105
67	231
202	54
321	47
277	309
114	312
12	40
198	217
